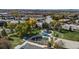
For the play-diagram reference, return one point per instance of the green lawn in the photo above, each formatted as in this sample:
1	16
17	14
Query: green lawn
69	35
16	41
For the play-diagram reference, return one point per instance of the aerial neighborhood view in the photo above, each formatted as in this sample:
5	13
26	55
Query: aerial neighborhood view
39	29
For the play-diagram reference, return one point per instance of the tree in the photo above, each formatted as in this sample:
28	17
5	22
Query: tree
56	24
5	24
26	27
21	29
11	26
31	22
45	25
4	33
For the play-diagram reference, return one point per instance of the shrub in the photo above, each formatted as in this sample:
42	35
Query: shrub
4	43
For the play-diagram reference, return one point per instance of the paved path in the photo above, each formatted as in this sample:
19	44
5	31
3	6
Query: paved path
31	45
70	44
66	44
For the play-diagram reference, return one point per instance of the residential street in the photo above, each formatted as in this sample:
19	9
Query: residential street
31	45
70	44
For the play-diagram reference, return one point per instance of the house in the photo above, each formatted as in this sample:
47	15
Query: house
64	20
17	21
39	24
48	19
24	18
72	27
14	22
77	21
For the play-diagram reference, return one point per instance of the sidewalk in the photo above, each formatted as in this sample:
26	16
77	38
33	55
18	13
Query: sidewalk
70	44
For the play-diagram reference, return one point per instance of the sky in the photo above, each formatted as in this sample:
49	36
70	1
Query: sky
39	4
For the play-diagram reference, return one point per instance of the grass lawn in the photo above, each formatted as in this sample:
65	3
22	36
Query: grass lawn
70	35
16	41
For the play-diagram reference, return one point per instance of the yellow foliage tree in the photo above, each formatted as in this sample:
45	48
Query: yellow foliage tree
31	22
